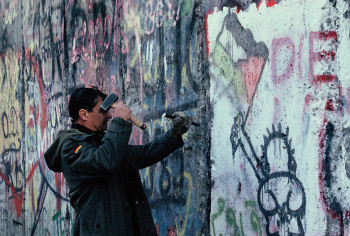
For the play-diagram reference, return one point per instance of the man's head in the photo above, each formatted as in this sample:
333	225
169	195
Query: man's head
84	108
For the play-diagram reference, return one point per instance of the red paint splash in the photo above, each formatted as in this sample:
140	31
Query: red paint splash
330	55
329	105
327	35
258	5
207	30
271	3
324	78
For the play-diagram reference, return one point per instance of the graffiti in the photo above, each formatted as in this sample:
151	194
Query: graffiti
10	123
169	186
50	47
277	44
334	178
59	222
8	11
246	66
3	218
91	39
244	4
286	206
231	219
322	51
346	14
328	37
158	13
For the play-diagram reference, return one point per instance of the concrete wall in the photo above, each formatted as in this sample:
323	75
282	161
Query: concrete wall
148	52
267	80
279	89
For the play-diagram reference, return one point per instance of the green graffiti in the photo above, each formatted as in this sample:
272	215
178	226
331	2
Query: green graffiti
229	71
224	63
187	7
241	222
58	220
221	203
250	203
254	219
231	220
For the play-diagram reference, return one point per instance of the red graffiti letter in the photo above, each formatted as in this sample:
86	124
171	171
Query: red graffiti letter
321	55
277	46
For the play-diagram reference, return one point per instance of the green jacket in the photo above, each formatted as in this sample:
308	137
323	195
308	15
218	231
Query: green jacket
101	173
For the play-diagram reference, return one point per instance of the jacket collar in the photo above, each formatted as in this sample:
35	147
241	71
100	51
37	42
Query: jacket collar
97	135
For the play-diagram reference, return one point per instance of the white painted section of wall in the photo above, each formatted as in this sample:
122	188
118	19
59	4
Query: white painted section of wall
295	102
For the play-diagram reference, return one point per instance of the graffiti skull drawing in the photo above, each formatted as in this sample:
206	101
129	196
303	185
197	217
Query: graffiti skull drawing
281	195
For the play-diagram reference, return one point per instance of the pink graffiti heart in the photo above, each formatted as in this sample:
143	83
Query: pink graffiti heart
251	70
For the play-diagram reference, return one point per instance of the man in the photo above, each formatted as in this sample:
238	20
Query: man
101	168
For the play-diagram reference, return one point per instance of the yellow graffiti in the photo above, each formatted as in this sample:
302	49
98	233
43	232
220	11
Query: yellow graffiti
149	77
164	182
188	203
10	13
10	128
230	73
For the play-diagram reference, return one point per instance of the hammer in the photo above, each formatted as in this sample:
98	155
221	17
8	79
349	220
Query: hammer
112	98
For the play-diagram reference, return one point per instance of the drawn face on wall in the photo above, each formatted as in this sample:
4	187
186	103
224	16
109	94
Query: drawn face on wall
281	195
282	200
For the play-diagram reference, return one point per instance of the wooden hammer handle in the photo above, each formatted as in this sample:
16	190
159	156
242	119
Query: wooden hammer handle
138	123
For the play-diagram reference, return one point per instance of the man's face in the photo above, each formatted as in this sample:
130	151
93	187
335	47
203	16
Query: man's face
97	120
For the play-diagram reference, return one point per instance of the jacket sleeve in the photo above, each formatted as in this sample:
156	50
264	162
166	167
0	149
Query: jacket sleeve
90	160
153	152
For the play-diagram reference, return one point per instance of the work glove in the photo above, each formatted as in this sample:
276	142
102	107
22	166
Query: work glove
181	123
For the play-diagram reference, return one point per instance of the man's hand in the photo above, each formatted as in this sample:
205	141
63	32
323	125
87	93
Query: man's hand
181	123
121	110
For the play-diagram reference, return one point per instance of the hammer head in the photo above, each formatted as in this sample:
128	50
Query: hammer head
106	104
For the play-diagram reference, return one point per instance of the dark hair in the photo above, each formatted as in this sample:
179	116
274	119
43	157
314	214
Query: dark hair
84	98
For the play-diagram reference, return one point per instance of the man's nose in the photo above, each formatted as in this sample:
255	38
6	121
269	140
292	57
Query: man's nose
109	115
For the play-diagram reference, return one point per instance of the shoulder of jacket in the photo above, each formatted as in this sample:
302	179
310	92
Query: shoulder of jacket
76	135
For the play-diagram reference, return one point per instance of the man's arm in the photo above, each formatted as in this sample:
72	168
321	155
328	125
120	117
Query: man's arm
90	160
153	152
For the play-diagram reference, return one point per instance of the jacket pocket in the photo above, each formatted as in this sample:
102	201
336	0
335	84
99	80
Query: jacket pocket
99	223
86	219
92	220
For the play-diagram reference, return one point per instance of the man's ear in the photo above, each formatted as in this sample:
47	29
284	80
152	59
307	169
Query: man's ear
83	114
